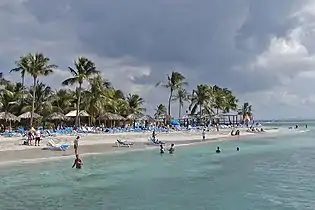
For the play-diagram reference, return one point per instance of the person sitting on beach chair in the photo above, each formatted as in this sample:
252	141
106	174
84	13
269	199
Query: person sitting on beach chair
123	143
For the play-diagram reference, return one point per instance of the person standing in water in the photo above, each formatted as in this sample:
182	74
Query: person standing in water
162	149
171	149
218	150
237	149
76	144
77	162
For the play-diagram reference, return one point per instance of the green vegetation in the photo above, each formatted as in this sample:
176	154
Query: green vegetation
98	97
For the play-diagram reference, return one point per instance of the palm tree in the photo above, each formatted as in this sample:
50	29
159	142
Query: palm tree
43	101
22	65
160	110
175	81
202	98
246	112
94	99
35	65
181	96
62	100
134	104
84	70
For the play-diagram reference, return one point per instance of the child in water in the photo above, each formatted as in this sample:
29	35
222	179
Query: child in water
77	162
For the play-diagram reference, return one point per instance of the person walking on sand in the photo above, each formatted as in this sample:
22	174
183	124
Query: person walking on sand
76	144
37	137
77	162
204	134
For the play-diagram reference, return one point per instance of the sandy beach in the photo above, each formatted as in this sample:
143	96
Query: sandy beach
12	151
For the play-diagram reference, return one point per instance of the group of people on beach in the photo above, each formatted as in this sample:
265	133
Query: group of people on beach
33	134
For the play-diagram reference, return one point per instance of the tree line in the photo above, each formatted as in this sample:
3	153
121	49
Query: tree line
100	96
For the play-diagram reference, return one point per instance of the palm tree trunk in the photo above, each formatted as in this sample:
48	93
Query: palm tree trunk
23	89
78	106
179	110
169	103
33	101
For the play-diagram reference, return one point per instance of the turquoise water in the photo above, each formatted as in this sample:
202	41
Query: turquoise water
267	173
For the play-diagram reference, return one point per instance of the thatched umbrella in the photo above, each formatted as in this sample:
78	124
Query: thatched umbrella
27	115
74	114
134	116
58	116
110	116
147	118
8	116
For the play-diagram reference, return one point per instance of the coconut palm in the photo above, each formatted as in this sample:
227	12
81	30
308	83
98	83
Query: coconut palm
134	104
43	101
22	65
181	96
63	101
201	98
174	82
35	65
160	110
246	112
84	70
94	99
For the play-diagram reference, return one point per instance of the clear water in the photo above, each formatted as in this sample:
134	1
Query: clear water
267	173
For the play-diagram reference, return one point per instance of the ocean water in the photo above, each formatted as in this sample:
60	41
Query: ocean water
267	173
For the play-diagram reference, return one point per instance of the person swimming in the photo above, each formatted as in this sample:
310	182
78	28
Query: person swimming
161	149
171	149
77	162
218	150
237	149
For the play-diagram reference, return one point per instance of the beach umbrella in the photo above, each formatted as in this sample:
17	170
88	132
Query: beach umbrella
8	116
27	115
110	116
174	122
146	118
58	116
73	113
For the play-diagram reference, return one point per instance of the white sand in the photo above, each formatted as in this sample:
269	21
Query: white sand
14	143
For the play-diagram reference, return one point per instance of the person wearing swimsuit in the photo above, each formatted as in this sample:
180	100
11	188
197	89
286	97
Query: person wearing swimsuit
77	162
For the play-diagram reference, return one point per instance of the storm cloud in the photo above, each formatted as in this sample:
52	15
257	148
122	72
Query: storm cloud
263	50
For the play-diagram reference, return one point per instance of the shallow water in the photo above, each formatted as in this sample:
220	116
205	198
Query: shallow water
267	173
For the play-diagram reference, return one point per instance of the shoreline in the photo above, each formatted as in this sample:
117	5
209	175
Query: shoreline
37	155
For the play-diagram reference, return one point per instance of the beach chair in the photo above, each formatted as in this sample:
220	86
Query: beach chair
120	143
51	145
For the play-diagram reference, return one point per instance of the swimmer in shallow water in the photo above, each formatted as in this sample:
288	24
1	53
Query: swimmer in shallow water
161	149
218	150
77	162
171	149
237	149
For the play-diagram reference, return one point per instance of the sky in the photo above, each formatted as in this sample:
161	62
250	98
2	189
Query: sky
263	50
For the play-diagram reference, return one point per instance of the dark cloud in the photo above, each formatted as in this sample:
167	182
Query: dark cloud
136	43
